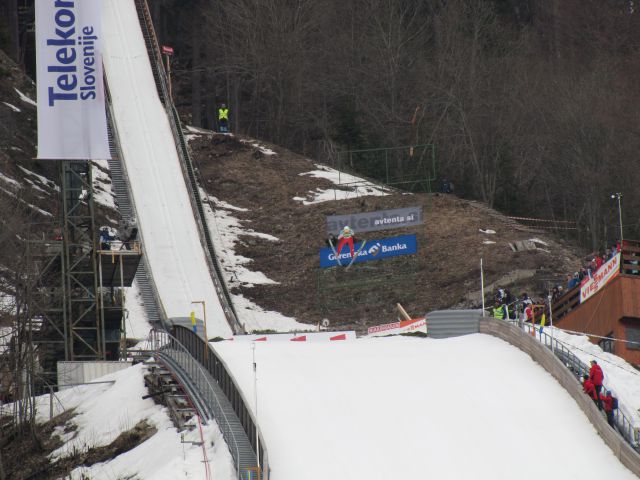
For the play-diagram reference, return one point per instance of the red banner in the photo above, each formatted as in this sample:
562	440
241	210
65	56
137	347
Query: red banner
404	326
600	278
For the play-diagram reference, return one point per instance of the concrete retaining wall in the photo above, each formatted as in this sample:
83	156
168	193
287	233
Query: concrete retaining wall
541	354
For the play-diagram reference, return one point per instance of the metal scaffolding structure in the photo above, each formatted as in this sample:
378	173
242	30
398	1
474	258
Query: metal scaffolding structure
82	320
77	300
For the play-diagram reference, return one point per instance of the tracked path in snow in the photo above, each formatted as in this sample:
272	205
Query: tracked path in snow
167	225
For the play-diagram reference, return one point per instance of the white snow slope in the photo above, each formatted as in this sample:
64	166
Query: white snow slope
470	407
103	411
166	221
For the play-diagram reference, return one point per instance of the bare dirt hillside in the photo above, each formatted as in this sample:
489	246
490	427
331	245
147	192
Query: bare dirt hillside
444	274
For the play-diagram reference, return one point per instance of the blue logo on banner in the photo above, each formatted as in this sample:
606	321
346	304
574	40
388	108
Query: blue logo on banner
373	250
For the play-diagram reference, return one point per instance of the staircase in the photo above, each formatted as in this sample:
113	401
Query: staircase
127	212
164	388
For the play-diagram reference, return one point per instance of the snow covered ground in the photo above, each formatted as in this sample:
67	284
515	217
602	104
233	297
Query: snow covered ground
469	407
137	323
104	411
619	376
389	408
225	230
350	187
166	221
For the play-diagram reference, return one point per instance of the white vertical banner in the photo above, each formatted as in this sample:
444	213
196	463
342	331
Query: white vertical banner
72	122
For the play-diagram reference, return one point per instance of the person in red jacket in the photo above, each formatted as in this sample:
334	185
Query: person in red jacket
589	388
596	376
598	262
608	407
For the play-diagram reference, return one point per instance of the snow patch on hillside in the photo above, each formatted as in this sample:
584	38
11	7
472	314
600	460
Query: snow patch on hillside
261	148
12	107
44	181
137	322
25	98
102	186
10	181
350	186
226	229
31	206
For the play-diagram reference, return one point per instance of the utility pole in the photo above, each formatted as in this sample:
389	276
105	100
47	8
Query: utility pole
255	400
550	298
618	195
206	337
482	285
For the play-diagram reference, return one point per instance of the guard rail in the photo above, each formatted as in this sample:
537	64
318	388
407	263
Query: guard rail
623	425
207	397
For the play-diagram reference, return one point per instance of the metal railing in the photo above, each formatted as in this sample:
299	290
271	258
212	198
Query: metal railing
622	423
166	346
221	374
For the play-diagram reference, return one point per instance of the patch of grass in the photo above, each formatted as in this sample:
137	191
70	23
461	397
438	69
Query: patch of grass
126	441
26	456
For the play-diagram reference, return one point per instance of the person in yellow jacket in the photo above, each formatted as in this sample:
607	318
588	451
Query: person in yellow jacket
498	311
223	118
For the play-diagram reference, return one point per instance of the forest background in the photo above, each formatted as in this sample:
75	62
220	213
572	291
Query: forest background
533	105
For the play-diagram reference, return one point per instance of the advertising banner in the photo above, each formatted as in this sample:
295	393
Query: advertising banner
297	337
72	122
373	250
374	221
605	273
396	328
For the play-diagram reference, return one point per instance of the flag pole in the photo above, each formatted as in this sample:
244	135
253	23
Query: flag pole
482	285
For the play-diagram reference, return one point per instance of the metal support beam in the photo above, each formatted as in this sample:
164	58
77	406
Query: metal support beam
85	330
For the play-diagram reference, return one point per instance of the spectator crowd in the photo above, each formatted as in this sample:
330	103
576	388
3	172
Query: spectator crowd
591	266
507	306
